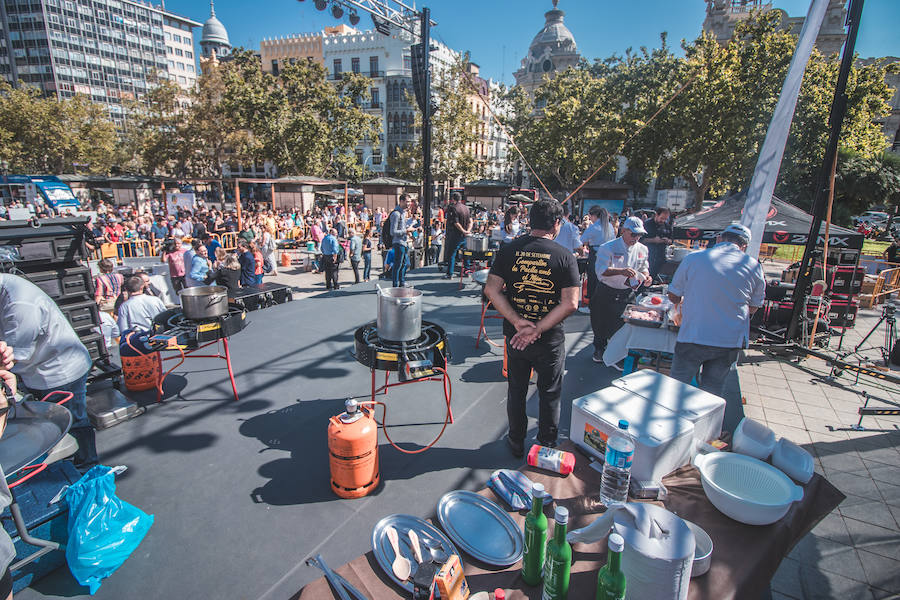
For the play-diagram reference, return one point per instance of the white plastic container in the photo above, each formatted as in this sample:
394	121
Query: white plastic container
752	438
706	411
796	462
662	440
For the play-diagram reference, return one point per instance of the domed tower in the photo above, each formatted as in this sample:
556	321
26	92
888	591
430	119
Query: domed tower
214	40
552	50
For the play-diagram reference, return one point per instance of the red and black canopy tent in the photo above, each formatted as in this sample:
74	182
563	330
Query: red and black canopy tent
785	224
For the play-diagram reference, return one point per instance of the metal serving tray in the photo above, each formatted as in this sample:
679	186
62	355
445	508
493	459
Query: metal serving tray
384	554
640	322
481	528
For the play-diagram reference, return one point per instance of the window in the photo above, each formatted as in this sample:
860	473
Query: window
168	37
407	62
354	65
373	66
375	99
188	54
337	67
179	52
403	125
274	67
177	38
376	157
359	157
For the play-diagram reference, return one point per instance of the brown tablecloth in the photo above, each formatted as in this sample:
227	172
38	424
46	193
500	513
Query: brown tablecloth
745	557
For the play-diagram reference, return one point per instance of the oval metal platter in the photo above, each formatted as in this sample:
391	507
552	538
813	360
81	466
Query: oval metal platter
31	432
384	554
481	528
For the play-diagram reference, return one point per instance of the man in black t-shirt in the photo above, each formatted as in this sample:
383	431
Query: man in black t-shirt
542	286
658	238
892	253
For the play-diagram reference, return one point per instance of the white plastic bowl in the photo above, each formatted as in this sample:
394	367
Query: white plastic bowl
793	460
703	549
753	439
746	489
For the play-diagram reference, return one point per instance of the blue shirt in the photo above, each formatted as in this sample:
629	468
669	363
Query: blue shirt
211	247
199	269
248	269
159	231
330	245
355	248
717	287
568	236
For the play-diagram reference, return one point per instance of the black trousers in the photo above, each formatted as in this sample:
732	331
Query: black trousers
607	305
548	360
331	271
355	265
592	280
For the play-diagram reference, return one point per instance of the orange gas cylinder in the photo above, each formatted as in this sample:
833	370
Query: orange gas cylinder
285	259
353	451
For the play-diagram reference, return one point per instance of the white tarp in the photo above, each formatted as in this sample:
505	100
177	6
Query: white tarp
762	185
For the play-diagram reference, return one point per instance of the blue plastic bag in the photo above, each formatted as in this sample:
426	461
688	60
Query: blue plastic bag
103	530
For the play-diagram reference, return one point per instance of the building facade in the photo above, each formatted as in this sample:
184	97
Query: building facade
386	60
552	50
274	53
108	50
723	15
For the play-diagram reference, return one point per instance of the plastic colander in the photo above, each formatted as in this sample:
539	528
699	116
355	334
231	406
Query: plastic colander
746	489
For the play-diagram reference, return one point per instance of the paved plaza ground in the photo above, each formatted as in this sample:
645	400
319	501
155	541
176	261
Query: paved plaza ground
240	490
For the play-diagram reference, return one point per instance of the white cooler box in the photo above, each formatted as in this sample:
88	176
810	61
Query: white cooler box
703	409
662	440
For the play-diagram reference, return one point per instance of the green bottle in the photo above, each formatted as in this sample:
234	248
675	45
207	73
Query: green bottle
535	538
611	579
559	560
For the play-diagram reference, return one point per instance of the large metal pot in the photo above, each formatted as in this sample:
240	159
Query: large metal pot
679	252
477	243
204	302
399	314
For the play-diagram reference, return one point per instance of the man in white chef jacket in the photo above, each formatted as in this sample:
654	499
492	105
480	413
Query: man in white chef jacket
719	289
622	267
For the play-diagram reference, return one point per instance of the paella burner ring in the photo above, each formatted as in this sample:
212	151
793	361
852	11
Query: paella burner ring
385	355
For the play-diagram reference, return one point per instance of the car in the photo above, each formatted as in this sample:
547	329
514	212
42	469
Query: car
873	217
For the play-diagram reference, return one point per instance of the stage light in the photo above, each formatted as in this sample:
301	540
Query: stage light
321	4
337	11
354	17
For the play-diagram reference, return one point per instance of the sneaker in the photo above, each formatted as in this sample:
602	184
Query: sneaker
517	448
597	357
619	366
552	444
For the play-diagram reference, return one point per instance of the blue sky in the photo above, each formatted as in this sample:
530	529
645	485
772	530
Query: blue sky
498	32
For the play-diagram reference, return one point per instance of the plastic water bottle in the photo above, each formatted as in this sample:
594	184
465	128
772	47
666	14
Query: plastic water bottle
617	468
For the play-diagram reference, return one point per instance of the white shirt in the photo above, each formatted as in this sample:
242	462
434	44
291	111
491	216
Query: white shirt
46	349
598	234
569	236
717	287
139	311
617	255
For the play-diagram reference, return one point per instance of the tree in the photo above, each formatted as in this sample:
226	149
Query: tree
862	182
454	128
299	120
45	135
862	139
154	139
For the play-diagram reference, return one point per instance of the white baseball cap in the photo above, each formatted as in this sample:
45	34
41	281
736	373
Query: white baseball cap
739	230
634	225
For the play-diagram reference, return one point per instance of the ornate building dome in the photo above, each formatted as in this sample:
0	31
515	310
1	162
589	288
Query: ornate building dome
214	37
553	49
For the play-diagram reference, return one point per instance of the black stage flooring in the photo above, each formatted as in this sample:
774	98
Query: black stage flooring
240	491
